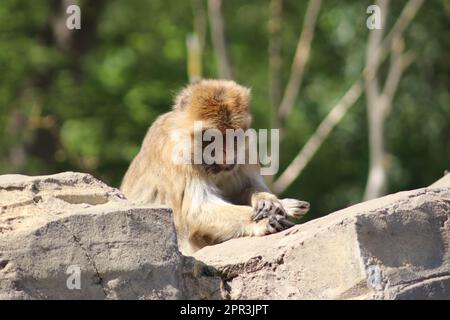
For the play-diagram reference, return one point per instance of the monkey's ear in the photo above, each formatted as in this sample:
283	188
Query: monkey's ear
182	100
249	95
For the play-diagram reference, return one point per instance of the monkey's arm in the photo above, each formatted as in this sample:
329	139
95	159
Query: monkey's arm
210	219
255	189
217	222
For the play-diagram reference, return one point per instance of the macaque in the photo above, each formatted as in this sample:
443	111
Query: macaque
211	201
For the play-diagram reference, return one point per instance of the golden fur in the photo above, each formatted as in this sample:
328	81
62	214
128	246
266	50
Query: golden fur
207	207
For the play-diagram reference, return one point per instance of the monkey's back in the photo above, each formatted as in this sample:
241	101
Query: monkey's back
150	175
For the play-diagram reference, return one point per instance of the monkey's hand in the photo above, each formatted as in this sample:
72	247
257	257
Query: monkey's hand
265	208
271	210
295	208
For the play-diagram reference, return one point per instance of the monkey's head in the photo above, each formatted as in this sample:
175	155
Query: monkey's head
218	105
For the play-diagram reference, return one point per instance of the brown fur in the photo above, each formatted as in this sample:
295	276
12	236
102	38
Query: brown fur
208	207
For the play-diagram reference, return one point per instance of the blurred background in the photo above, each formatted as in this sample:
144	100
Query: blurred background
364	112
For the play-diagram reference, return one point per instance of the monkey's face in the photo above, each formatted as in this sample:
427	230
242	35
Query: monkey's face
219	150
218	107
219	155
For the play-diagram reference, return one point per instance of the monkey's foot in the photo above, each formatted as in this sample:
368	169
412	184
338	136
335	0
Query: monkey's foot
295	208
277	223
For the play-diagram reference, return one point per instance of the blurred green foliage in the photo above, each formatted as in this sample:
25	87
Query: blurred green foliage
86	103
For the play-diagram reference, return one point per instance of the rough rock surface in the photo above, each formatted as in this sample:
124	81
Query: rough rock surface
443	182
395	247
50	225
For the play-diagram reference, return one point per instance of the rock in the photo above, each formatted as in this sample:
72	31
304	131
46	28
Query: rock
53	226
443	182
394	247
